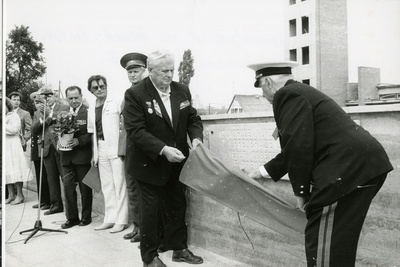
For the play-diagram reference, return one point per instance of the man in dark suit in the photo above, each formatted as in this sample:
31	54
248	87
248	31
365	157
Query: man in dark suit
135	65
51	157
158	118
334	165
35	157
76	164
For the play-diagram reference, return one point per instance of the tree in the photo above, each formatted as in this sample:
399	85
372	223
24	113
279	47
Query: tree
185	70
24	63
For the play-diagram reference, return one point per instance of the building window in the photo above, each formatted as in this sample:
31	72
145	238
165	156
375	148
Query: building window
306	55
292	2
292	27
307	81
304	25
293	54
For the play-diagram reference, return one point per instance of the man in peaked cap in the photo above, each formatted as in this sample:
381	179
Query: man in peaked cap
135	65
335	167
35	157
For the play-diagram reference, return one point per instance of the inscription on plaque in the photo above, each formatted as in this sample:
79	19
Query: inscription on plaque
244	145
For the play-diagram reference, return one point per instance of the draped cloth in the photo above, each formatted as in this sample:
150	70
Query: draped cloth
206	173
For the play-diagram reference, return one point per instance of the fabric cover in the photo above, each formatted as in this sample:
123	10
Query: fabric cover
209	175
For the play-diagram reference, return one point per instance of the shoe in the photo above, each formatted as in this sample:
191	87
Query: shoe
156	262
70	223
136	238
132	234
162	248
53	210
104	226
85	222
118	228
43	206
187	256
9	200
17	201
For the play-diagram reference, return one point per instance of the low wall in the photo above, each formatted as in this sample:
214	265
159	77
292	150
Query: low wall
240	140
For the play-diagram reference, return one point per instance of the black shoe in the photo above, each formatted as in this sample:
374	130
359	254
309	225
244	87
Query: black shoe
43	206
133	233
187	256
136	238
70	223
85	222
53	210
156	262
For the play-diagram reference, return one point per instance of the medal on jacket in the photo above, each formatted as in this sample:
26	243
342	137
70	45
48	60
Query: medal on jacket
149	109
157	108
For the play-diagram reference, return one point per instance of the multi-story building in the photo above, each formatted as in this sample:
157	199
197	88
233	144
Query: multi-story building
316	37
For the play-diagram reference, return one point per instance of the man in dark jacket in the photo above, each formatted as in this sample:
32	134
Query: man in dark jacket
158	118
76	163
334	165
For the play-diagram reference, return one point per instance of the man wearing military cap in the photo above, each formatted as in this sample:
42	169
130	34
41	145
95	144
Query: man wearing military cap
35	157
135	65
335	167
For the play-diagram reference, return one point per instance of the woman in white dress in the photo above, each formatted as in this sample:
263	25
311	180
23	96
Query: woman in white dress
16	167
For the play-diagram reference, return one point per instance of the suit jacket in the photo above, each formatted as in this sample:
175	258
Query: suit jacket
149	129
322	146
122	134
110	120
82	153
26	123
50	138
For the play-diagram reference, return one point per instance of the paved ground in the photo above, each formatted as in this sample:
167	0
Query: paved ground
81	246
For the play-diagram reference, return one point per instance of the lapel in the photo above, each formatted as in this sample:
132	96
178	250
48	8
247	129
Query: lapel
175	106
152	91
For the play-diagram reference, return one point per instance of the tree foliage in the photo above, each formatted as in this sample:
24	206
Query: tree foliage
186	70
24	63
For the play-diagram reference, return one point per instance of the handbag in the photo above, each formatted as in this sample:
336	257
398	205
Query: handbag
23	142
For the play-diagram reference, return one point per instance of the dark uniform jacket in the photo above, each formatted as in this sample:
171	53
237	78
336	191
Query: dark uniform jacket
81	154
149	129
321	146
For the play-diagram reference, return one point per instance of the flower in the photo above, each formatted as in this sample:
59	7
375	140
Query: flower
65	122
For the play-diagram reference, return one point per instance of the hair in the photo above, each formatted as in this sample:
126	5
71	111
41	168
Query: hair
15	93
71	88
96	78
155	58
9	104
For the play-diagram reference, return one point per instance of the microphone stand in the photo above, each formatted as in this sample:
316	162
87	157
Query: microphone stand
38	224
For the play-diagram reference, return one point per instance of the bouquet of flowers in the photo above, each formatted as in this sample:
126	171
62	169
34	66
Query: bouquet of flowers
65	123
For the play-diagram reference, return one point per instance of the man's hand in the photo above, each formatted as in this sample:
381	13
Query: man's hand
301	203
172	154
196	142
252	174
73	143
93	162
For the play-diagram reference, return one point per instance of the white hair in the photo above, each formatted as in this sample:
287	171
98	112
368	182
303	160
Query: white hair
155	58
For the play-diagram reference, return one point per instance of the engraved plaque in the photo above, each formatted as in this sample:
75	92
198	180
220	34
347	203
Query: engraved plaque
244	145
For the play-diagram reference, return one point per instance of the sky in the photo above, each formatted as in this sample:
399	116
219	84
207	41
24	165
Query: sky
83	38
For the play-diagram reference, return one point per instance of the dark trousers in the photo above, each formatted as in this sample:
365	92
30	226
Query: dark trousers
53	170
73	176
133	197
151	199
45	194
332	232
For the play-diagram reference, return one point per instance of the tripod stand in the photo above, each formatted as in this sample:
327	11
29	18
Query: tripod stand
38	224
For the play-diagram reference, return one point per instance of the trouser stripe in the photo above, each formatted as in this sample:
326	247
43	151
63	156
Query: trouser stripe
325	235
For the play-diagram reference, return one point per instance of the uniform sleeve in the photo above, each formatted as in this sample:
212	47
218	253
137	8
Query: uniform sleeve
294	118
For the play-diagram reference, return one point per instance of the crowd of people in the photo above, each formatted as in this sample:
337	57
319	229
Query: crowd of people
140	144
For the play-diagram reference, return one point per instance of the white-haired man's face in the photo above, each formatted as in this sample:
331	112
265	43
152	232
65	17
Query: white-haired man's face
162	73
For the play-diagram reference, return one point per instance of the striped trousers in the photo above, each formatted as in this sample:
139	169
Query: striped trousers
332	232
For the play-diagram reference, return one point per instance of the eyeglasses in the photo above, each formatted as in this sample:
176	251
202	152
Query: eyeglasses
102	87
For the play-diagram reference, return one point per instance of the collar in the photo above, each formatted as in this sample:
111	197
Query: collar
161	93
77	109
